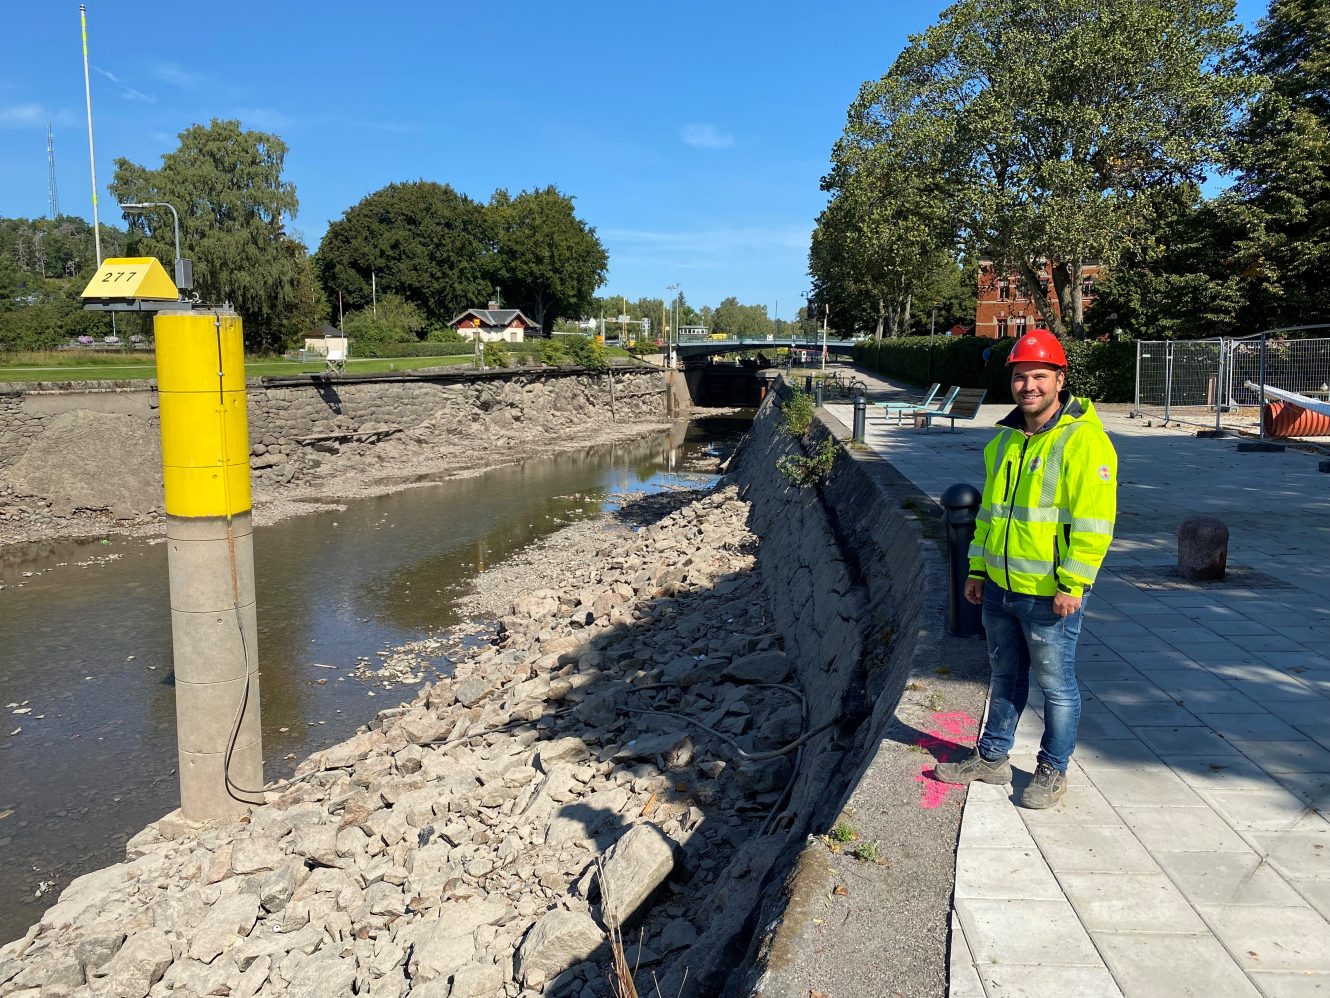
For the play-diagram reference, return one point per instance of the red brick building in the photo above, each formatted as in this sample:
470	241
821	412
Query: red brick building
1006	307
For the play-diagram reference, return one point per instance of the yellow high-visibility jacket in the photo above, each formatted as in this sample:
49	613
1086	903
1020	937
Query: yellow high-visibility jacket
1049	503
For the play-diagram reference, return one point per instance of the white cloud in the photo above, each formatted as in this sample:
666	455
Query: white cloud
33	116
126	91
706	137
176	76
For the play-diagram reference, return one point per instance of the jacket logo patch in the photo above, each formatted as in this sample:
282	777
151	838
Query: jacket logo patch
1034	463
1104	473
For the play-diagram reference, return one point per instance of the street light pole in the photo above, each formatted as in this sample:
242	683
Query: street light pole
673	339
183	281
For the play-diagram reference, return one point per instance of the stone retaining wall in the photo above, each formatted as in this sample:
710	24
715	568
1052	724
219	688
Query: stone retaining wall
291	419
857	579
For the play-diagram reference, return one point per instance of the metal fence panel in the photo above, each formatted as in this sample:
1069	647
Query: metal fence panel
1218	383
1181	380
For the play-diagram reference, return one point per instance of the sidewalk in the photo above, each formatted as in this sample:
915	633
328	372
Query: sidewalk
1191	855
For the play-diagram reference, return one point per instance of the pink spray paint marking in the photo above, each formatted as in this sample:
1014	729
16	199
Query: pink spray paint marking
941	743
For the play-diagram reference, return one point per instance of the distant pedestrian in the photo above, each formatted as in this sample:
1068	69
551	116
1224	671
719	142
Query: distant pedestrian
1049	503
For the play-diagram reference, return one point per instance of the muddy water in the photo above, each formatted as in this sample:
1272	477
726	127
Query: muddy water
87	741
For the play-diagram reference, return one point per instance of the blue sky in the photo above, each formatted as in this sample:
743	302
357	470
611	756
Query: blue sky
693	136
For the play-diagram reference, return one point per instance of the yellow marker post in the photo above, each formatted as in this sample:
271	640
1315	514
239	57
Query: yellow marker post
209	533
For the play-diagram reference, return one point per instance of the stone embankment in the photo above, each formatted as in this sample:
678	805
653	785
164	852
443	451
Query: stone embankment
478	840
79	461
655	741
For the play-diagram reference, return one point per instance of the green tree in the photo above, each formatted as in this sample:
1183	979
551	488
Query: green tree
234	204
397	321
1045	130
550	262
421	240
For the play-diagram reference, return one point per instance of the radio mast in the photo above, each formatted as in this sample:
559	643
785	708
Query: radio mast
52	194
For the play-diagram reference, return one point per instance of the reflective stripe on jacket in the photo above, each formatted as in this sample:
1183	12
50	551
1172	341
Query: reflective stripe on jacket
1049	504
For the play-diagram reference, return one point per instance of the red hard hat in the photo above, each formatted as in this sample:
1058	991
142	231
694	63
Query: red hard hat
1038	346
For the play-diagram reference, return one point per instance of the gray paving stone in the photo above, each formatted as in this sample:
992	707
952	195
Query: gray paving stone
993	825
1042	982
1283	985
1107	670
1153	714
1129	902
1303	854
1155	785
1227	878
1101	727
962	979
1173	680
1232	773
1316	893
1082	805
1045	933
1221	700
1196	740
1267	693
1167	965
1114	692
1181	829
1181	637
1313	789
1237	625
1005	873
1301	755
1257	725
1270	809
1297	658
1308	712
1272	938
1092	849
1266	643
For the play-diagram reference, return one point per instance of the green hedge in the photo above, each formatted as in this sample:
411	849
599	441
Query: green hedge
1106	372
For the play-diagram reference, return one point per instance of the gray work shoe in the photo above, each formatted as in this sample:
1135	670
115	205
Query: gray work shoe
974	767
1046	789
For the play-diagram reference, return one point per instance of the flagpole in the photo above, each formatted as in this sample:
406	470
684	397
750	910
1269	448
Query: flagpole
92	159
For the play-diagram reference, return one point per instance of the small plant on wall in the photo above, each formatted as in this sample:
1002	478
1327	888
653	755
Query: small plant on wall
804	470
798	412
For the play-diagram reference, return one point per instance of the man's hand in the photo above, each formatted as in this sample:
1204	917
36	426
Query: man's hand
974	591
1064	605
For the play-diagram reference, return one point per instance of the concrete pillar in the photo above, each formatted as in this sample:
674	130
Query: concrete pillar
210	555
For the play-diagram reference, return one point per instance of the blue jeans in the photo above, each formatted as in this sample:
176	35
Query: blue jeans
1026	637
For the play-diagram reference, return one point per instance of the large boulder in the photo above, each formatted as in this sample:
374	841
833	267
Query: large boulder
556	942
631	870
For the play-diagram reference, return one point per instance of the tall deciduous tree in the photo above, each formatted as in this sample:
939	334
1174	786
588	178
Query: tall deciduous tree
234	204
550	262
1048	127
422	240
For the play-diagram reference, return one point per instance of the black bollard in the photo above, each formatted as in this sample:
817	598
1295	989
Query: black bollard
860	418
808	383
817	395
960	505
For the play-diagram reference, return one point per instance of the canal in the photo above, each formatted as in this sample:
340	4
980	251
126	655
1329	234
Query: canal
87	736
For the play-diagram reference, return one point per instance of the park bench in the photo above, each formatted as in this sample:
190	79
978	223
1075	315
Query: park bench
963	405
900	409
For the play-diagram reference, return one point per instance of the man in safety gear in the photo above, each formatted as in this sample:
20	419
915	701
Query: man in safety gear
1050	499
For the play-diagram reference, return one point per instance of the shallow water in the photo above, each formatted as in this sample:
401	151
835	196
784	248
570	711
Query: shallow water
85	650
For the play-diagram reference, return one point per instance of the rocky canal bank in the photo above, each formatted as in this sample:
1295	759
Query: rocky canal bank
478	840
79	462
